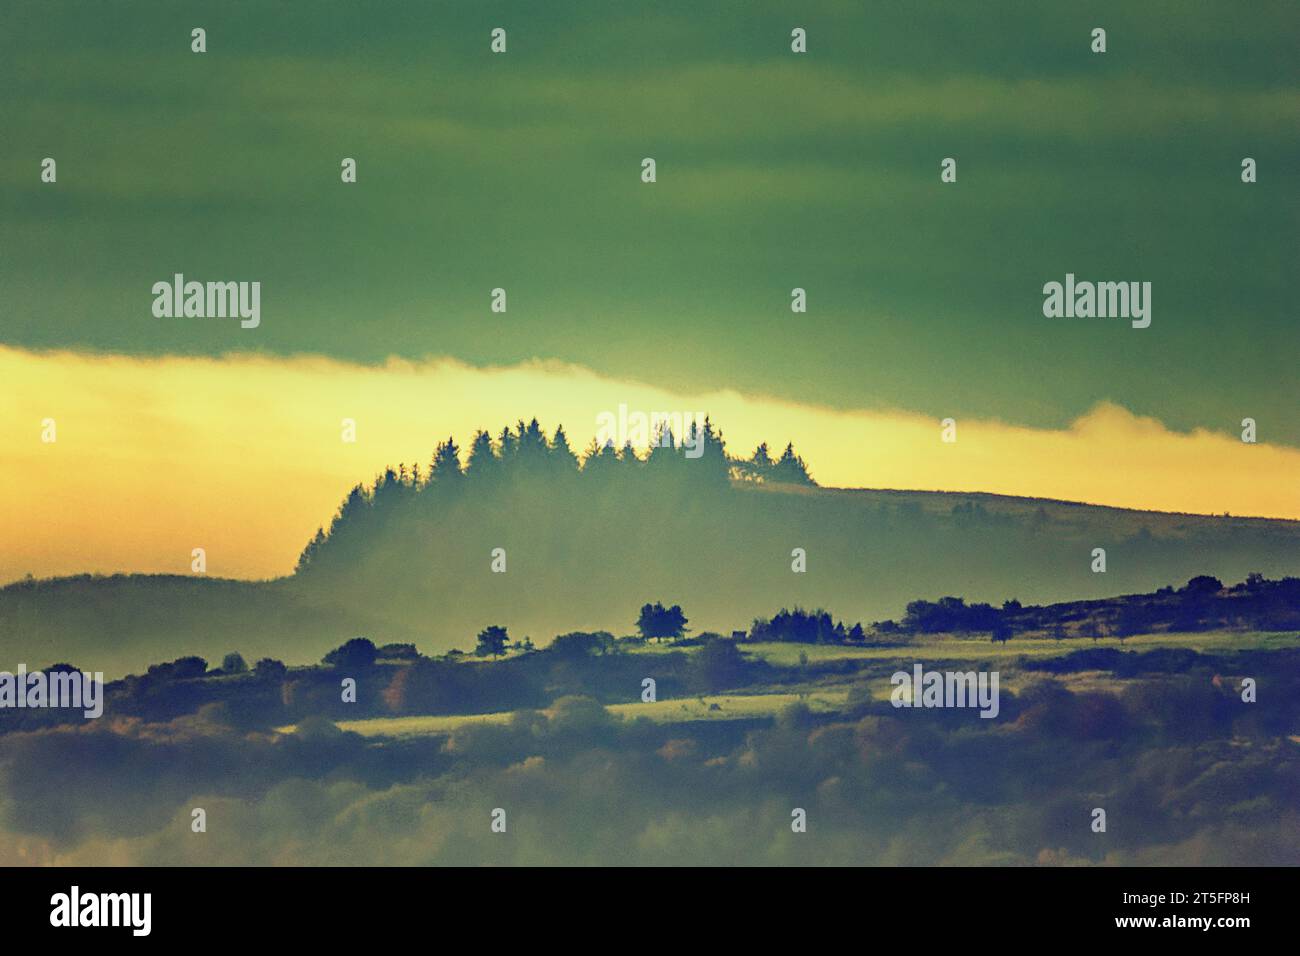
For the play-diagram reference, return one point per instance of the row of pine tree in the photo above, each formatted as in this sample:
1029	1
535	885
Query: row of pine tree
525	455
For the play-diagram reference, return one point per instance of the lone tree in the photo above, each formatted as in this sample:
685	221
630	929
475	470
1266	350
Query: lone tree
492	641
659	622
358	652
233	663
1203	584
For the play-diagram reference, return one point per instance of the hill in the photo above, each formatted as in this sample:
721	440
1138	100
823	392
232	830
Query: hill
584	558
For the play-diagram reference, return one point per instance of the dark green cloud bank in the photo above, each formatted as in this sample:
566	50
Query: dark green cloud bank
774	171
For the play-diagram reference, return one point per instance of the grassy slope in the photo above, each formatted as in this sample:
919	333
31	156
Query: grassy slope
829	693
867	558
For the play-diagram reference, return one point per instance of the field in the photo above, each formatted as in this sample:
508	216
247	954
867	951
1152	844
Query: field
708	707
404	760
952	648
827	693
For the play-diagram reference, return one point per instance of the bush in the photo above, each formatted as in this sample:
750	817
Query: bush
268	668
717	666
358	652
579	644
183	668
580	715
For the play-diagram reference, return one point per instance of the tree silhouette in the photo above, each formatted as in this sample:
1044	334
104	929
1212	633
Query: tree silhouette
627	457
659	622
800	626
523	459
445	470
356	653
563	460
309	553
600	462
483	463
664	455
268	668
713	468
533	447
507	445
791	469
492	641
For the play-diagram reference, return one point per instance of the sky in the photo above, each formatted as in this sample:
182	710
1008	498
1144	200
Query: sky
522	170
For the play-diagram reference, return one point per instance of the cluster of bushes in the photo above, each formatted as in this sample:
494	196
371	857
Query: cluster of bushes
950	615
1203	604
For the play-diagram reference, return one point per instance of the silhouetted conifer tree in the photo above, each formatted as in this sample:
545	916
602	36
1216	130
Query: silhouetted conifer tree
444	471
628	458
791	469
310	552
483	464
507	446
600	462
563	460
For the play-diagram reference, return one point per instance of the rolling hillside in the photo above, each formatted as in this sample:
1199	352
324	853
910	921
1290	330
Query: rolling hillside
579	558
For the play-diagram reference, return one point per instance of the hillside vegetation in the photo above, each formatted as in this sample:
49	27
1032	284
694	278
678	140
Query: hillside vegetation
410	557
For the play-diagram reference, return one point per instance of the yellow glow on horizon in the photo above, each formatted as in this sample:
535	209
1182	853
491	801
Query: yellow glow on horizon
243	456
